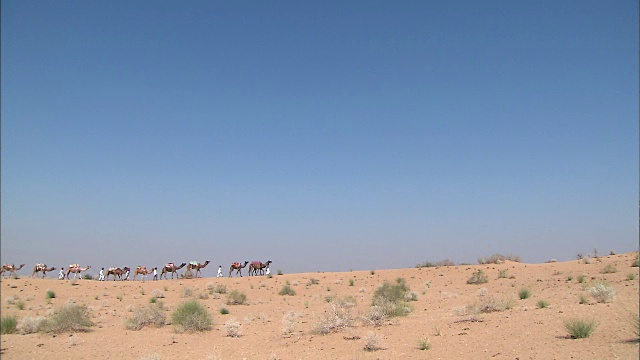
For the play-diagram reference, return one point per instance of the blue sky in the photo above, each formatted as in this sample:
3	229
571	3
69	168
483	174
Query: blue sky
321	135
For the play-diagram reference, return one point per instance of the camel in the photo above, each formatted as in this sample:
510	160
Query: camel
237	267
171	268
42	268
11	268
116	271
142	270
258	266
75	269
194	265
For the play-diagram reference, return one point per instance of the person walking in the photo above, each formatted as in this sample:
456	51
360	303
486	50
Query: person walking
155	273
126	275
61	274
267	271
219	271
101	276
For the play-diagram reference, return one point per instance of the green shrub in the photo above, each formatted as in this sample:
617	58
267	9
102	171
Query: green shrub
8	324
498	259
582	279
224	311
191	316
150	315
236	298
287	290
503	274
524	293
478	277
635	262
69	317
583	299
50	294
543	304
392	298
631	276
579	328
20	305
313	281
351	282
279	272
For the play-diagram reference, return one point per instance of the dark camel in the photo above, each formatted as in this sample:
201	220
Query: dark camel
258	266
237	267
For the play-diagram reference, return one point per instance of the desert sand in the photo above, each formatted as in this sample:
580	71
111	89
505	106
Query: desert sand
439	314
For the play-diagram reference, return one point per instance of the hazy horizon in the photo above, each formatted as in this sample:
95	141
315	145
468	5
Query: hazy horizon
322	136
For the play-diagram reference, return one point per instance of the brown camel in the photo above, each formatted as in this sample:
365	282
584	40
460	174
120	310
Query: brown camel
171	268
258	266
11	268
42	268
116	271
75	269
194	265
237	267
142	270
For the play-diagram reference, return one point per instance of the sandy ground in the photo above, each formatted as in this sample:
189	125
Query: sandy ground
522	332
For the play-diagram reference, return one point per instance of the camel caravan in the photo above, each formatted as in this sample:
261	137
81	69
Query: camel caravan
192	270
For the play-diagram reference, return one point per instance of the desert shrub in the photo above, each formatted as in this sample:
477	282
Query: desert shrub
50	294
609	269
583	299
488	304
524	293
30	325
87	277
187	292
218	289
20	305
602	292
478	277
498	259
289	321
313	281
372	342
203	295
70	317
153	299
351	282
236	298
391	297
157	294
412	296
150	315
287	290
631	276
542	304
582	279
280	272
502	274
233	328
191	316
445	262
336	317
8	324
224	311
635	262
579	328
423	344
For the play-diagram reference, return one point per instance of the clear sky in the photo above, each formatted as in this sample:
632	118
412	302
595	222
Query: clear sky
322	135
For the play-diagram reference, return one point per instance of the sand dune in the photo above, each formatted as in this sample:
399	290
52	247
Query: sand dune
277	326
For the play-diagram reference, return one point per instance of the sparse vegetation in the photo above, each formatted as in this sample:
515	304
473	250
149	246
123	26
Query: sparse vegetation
287	290
582	279
580	328
424	344
224	311
70	317
583	299
635	262
503	274
50	294
524	293
233	328
609	269
631	276
372	342
8	324
478	277
337	316
445	262
498	259
30	325
157	294
236	298
191	316
542	304
149	315
602	292
392	298
351	282
313	281
488	304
